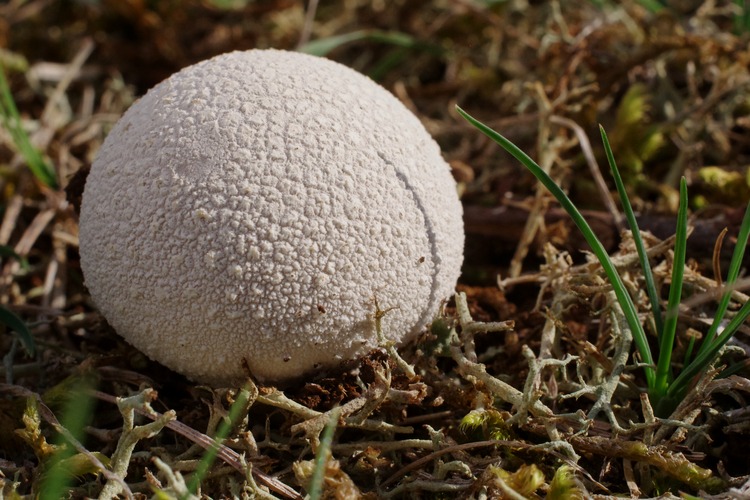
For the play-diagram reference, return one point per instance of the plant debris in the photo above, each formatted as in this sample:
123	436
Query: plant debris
526	385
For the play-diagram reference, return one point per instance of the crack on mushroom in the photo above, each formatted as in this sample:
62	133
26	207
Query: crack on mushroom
429	231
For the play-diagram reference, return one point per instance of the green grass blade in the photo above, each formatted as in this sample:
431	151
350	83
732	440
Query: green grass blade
713	344
76	415
653	5
742	18
8	252
9	319
235	414
11	120
321	457
666	342
623	297
732	274
704	359
648	275
323	46
734	368
689	350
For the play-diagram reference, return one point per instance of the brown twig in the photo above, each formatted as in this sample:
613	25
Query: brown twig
12	211
596	172
226	454
307	27
716	260
451	449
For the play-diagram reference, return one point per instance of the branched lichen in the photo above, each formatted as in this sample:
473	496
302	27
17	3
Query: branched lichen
354	413
477	372
131	434
177	487
694	399
374	396
443	469
278	399
531	391
605	390
251	486
324	476
390	345
469	327
557	273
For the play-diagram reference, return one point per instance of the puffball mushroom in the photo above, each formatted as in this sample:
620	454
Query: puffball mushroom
254	205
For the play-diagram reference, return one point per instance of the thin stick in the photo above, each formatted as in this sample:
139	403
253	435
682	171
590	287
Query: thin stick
596	172
312	8
228	455
716	259
49	416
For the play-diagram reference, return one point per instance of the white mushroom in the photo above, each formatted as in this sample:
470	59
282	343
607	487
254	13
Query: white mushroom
254	205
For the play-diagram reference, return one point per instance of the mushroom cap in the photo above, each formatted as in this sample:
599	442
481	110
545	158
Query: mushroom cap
254	205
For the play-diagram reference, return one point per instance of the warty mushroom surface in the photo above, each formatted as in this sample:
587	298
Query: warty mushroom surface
254	205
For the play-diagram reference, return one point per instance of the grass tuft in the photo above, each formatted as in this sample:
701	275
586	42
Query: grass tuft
664	389
11	120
